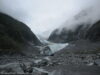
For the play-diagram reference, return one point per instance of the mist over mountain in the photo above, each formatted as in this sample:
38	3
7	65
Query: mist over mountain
84	25
50	37
47	15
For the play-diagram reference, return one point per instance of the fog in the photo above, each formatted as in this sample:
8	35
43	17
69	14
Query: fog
43	16
87	16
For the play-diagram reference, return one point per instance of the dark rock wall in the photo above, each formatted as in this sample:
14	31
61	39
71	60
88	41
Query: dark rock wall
15	34
81	32
93	33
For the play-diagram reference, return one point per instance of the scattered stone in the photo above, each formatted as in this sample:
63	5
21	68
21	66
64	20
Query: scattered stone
27	67
90	64
40	62
39	71
11	68
97	62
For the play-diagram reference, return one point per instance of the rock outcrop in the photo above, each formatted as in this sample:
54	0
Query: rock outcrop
81	32
93	33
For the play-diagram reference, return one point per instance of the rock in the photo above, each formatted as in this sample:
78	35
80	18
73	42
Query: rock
74	70
93	32
11	68
45	50
27	67
90	64
15	36
41	62
97	62
39	71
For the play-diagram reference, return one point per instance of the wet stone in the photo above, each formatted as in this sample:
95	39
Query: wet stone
97	62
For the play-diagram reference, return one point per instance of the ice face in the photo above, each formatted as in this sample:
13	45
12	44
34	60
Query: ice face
50	48
55	47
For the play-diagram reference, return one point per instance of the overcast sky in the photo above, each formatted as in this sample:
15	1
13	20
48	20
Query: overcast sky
45	15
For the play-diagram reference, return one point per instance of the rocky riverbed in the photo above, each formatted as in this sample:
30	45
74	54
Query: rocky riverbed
60	63
21	52
88	64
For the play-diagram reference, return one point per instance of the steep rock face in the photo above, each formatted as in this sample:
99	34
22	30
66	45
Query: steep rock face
68	35
91	33
15	34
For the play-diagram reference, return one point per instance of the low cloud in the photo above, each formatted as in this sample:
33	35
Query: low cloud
43	16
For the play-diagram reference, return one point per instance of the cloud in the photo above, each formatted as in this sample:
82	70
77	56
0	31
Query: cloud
45	15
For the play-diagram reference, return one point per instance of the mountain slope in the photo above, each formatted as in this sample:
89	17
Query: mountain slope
15	35
91	33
